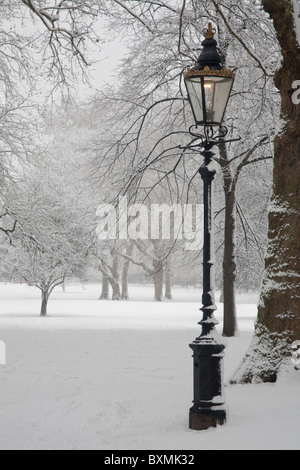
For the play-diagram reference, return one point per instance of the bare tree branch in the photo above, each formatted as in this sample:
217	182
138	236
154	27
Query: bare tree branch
51	21
137	17
239	39
180	25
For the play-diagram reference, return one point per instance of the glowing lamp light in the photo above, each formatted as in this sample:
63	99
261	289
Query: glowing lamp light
209	84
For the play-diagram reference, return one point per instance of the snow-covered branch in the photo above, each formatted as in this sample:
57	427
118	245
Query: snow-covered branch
63	33
8	231
240	40
135	16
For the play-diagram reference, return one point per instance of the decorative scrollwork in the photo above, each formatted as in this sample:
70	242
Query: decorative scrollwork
211	133
210	136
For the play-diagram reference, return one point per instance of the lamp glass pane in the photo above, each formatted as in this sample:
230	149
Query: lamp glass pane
194	89
209	97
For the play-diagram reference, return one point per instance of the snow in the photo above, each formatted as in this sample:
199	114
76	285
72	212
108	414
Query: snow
118	375
297	19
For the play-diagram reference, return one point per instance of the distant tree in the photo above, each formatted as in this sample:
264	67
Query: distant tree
110	268
42	48
51	238
105	288
168	278
125	272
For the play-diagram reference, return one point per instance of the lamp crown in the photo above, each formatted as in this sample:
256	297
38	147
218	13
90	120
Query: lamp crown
209	32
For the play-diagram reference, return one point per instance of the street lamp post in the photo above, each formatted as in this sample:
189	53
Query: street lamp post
209	86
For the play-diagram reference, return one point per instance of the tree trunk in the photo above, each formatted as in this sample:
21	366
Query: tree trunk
105	289
125	271
158	279
45	298
125	293
278	323
158	286
168	280
114	282
116	295
230	327
158	272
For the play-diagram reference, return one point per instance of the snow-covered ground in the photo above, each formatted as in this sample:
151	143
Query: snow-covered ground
118	375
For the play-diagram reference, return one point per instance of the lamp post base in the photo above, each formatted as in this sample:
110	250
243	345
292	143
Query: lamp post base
202	419
209	408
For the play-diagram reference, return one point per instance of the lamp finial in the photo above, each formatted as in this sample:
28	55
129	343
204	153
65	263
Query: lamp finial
210	32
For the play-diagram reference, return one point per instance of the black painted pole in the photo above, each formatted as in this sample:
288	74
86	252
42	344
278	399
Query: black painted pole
209	408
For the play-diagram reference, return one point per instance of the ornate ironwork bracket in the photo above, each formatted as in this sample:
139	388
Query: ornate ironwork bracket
209	138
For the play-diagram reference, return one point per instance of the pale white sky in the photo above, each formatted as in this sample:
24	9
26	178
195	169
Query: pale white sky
109	57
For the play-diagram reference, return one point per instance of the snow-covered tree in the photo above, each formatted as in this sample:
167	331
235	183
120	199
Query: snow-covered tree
278	323
42	48
50	238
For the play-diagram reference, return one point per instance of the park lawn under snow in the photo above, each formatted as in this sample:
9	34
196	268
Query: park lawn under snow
118	375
